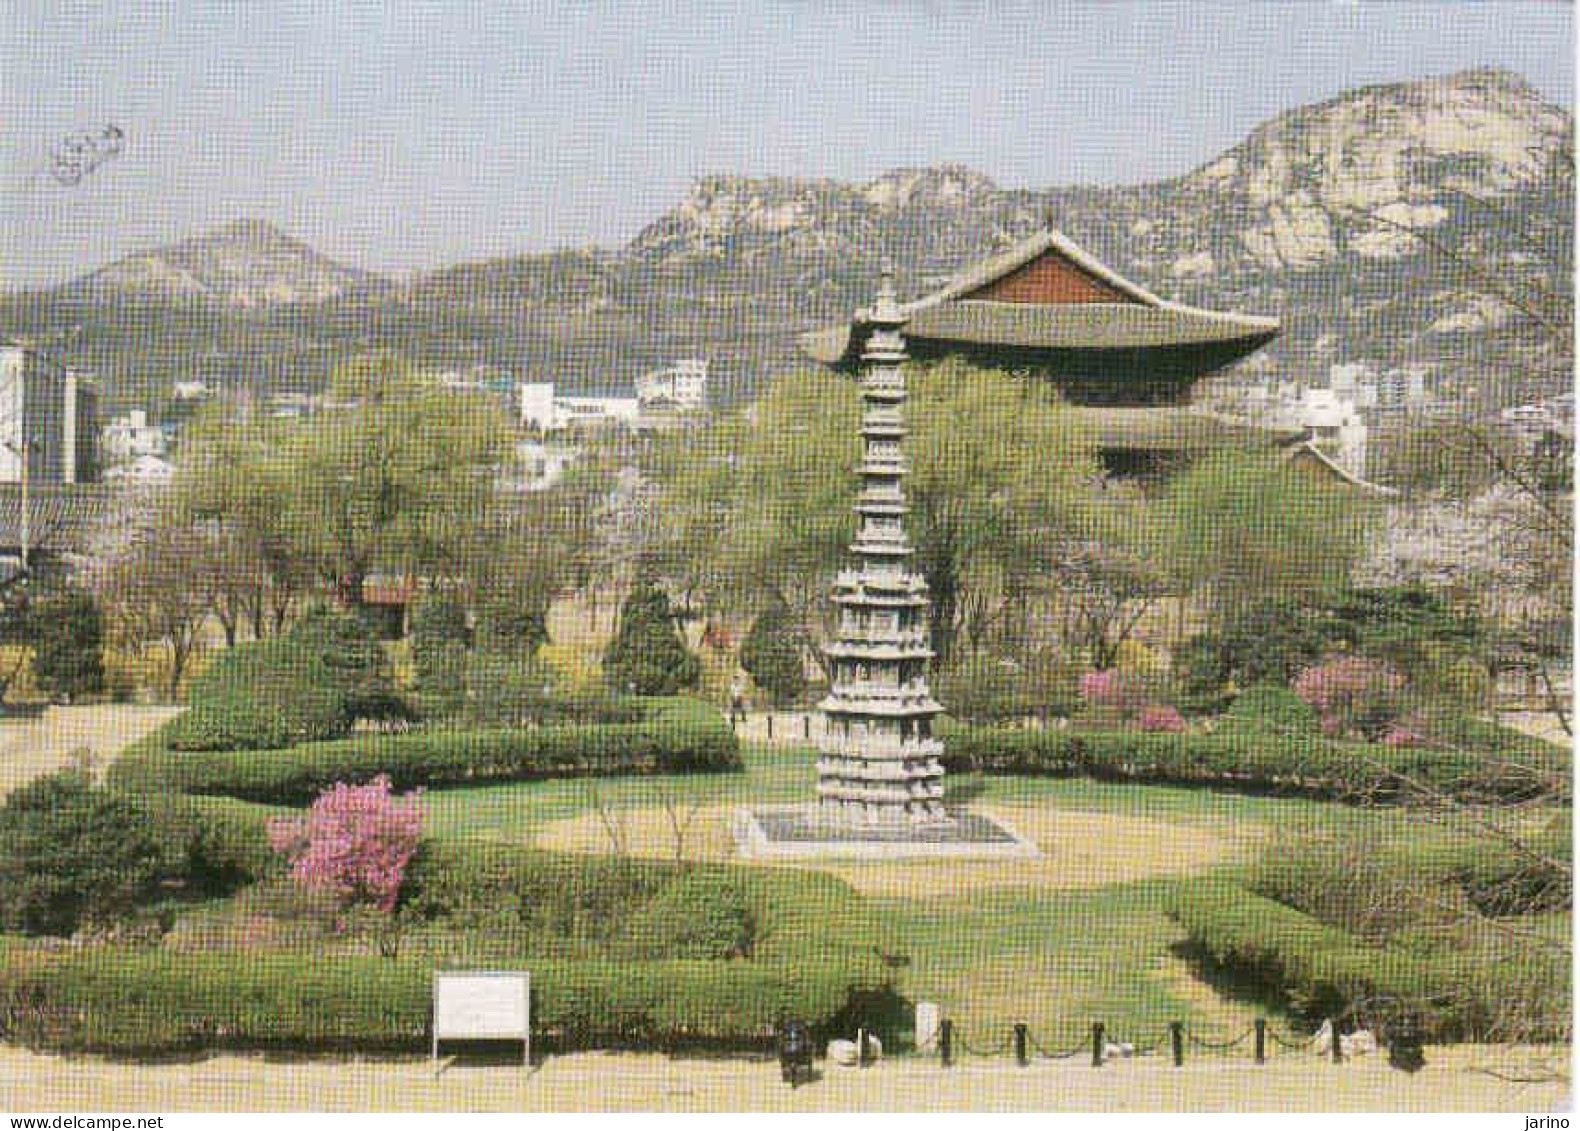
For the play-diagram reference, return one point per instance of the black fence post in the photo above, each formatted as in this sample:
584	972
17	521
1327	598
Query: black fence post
806	726
770	728
1261	1040
1097	1044
1338	1052
1177	1038
861	1048
1020	1044
946	1042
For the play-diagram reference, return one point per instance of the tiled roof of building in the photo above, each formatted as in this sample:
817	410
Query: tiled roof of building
1124	316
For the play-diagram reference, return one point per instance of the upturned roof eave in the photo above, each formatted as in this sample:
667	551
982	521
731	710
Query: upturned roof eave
842	344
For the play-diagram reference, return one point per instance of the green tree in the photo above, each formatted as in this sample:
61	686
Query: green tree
399	475
647	655
67	632
349	649
1002	478
1245	530
772	653
72	854
228	489
440	642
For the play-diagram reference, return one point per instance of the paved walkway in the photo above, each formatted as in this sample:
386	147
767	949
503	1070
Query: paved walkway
31	747
1454	1079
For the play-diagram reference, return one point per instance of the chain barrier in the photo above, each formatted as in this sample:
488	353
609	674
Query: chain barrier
1142	1050
1300	1043
960	1043
1218	1046
1082	1047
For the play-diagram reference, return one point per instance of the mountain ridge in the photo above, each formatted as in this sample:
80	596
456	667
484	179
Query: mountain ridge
1387	223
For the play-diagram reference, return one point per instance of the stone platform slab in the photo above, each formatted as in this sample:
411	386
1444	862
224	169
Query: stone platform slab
805	831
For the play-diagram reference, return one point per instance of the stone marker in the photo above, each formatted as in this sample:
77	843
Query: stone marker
928	1019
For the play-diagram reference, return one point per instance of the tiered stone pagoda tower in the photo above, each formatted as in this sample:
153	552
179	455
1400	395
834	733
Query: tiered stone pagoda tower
879	759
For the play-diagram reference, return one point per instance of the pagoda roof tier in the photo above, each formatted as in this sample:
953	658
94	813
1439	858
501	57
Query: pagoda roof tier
911	791
874	748
1049	295
881	506
888	636
878	770
855	650
846	701
884	549
870	599
894	583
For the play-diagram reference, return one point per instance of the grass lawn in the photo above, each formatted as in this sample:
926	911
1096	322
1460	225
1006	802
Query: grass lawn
1074	937
993	943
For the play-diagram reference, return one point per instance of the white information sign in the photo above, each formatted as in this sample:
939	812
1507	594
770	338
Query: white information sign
483	1005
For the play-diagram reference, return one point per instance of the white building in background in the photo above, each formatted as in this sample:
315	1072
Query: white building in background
683	387
1336	415
143	469
538	466
1535	422
1336	427
192	391
662	396
129	436
544	411
50	412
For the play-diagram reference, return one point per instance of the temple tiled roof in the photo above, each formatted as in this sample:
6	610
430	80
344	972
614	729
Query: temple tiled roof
1113	313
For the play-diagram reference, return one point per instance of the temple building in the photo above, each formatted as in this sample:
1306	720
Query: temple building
1124	357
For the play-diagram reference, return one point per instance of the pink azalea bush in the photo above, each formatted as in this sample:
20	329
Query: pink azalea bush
354	843
1160	718
1352	695
1113	690
1117	698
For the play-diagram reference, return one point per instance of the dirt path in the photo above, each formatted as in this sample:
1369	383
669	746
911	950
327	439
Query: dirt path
1079	850
1454	1079
38	746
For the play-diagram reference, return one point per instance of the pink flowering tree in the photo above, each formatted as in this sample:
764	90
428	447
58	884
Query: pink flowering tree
1116	698
1112	690
1160	718
354	843
1354	696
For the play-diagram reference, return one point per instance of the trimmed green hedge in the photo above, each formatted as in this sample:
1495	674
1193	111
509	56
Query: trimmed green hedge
794	913
815	956
151	1002
1323	971
1498	767
262	695
676	735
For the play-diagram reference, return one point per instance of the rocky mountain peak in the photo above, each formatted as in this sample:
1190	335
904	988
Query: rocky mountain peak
244	263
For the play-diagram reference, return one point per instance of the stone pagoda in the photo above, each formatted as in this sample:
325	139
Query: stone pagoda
878	761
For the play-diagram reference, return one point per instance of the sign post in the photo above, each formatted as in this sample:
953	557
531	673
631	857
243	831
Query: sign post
485	1005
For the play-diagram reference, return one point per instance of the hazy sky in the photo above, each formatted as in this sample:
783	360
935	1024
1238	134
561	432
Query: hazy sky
403	136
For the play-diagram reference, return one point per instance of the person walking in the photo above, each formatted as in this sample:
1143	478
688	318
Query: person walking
737	699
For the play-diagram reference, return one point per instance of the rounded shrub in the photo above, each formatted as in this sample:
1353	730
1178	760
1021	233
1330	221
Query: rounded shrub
262	696
72	853
647	655
698	915
1277	708
771	654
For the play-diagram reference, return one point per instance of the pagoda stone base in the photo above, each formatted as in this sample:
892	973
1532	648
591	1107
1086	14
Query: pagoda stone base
802	831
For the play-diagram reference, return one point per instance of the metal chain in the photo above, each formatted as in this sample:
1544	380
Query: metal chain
1298	1043
1084	1046
960	1043
1218	1045
1146	1050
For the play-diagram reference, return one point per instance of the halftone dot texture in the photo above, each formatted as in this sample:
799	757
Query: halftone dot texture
1238	470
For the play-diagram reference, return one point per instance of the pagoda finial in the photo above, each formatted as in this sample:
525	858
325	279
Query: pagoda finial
887	308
